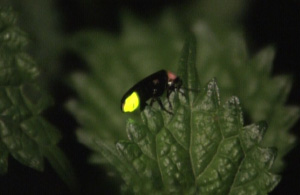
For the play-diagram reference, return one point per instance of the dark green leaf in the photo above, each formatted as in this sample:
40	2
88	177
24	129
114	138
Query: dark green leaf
186	70
118	62
24	134
263	97
202	148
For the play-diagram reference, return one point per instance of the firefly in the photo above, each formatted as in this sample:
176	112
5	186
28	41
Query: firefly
150	88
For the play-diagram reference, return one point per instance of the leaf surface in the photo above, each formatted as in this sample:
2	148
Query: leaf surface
118	62
204	148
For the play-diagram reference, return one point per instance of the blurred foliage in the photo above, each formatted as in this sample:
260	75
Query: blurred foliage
202	148
24	133
221	15
43	25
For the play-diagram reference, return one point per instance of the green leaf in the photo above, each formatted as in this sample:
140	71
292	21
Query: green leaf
220	150
188	74
116	63
263	96
24	134
203	148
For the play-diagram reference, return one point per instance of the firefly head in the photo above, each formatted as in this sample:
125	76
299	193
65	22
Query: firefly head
174	82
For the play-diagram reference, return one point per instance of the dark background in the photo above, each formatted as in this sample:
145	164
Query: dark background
267	22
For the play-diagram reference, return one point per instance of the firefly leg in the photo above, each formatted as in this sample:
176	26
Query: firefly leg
162	106
156	99
168	95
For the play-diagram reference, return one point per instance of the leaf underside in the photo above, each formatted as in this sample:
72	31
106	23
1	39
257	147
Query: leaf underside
24	134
